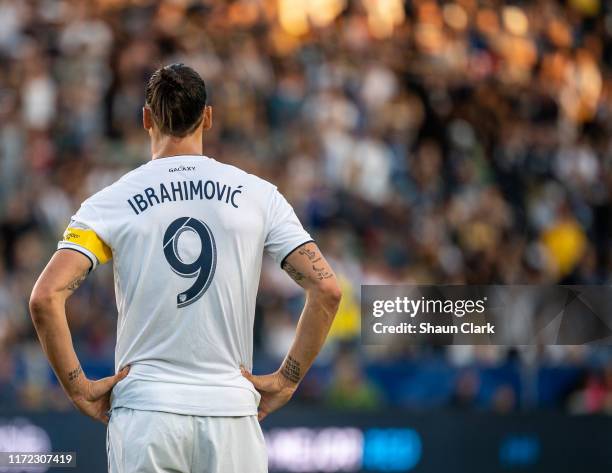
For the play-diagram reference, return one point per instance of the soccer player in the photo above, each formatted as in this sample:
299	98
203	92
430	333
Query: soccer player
186	235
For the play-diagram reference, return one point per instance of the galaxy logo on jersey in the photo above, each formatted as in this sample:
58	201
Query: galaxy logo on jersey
182	168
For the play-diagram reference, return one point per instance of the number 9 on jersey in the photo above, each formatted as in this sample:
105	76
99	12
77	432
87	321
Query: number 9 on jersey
202	269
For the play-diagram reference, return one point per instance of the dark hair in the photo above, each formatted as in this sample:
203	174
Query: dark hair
176	95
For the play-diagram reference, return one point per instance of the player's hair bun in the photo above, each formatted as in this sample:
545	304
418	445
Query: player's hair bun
170	76
176	96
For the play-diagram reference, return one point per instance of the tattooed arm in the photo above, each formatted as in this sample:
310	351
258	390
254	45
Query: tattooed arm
306	266
62	276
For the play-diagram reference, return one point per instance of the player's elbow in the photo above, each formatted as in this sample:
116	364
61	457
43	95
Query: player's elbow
334	293
330	294
41	301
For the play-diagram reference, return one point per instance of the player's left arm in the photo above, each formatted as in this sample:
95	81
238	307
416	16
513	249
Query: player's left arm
62	276
309	268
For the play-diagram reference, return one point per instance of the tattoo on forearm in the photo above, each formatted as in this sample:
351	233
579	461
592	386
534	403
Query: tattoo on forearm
291	369
73	286
74	374
294	273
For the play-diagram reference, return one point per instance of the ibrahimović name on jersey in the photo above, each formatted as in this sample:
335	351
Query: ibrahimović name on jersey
185	190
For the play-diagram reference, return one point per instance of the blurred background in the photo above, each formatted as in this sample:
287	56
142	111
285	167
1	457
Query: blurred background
420	141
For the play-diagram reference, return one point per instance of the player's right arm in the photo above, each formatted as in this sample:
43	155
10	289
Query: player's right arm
62	276
79	252
306	266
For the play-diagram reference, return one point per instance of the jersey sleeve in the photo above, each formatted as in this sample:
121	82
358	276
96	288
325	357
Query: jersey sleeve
85	234
285	232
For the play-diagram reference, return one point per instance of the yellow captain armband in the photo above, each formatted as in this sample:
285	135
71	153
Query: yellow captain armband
88	239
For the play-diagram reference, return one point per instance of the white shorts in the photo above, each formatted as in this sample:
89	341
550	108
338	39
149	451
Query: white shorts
156	442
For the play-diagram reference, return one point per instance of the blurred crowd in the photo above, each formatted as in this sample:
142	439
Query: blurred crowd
457	142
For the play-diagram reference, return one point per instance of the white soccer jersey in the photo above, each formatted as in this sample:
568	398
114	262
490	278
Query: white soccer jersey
186	235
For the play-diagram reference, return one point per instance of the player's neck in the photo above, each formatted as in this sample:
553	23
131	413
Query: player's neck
167	146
